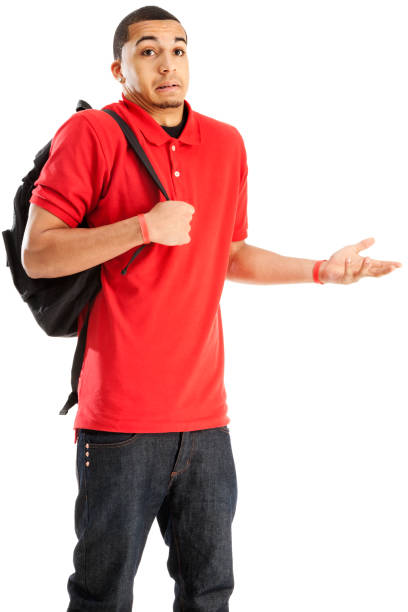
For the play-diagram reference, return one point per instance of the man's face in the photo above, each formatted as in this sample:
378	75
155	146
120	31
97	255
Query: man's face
148	63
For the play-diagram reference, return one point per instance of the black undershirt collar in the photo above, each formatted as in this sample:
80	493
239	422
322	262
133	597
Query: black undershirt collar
175	130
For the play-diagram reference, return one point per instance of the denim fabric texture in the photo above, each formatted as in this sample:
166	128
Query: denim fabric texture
187	480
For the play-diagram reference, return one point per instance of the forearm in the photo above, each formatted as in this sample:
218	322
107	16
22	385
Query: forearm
251	264
64	251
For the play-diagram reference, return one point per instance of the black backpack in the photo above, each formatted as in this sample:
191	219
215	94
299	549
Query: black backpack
56	303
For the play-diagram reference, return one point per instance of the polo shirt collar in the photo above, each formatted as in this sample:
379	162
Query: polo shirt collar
153	131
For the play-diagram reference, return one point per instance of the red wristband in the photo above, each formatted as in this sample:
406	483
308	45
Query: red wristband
143	227
316	271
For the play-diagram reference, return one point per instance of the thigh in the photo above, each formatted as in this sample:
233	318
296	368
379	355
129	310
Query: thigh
114	465
212	482
114	510
199	510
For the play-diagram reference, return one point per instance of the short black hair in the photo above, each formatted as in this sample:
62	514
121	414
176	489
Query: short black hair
146	13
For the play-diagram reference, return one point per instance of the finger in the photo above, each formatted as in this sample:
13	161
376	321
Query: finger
348	274
364	244
380	268
377	267
380	262
363	271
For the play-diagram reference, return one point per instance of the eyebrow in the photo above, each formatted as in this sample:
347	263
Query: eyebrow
179	38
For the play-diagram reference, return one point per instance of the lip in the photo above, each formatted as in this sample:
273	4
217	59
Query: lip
169	86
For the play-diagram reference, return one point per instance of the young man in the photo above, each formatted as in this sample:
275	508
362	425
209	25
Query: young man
152	424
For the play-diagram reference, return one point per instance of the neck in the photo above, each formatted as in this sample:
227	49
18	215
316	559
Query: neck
168	116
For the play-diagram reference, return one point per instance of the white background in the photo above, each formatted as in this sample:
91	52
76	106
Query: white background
315	374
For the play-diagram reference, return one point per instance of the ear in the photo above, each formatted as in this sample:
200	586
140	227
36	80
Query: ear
116	69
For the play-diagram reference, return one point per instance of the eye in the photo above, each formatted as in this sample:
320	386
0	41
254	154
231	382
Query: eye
179	49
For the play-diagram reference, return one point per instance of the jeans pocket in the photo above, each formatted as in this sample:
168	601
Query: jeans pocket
99	438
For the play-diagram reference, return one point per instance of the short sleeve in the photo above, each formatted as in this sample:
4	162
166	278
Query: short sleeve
73	178
240	231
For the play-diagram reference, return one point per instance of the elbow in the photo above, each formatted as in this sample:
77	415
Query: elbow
33	257
26	256
29	265
232	268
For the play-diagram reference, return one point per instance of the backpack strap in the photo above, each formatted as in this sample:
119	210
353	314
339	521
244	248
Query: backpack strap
77	363
82	105
137	148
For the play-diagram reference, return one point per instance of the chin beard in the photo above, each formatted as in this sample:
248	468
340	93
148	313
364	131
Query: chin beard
174	104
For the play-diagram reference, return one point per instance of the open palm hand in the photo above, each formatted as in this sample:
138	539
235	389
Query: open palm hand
346	266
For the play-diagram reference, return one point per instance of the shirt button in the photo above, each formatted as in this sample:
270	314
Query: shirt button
177	173
173	147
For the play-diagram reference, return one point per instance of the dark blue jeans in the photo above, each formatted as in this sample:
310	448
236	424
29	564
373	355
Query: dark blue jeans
186	480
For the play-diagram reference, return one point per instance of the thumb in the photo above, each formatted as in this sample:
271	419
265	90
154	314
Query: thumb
364	244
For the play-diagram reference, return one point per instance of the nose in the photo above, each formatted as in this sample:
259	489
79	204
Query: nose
167	62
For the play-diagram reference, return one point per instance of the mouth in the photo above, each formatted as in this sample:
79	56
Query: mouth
172	87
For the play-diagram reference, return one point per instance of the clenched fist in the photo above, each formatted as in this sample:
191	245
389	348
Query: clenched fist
169	222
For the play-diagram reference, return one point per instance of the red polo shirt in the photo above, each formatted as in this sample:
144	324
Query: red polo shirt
154	356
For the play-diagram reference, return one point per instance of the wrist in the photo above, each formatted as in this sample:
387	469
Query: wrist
318	271
322	268
144	228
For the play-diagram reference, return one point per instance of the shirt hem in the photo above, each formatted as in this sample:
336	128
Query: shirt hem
138	427
54	209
